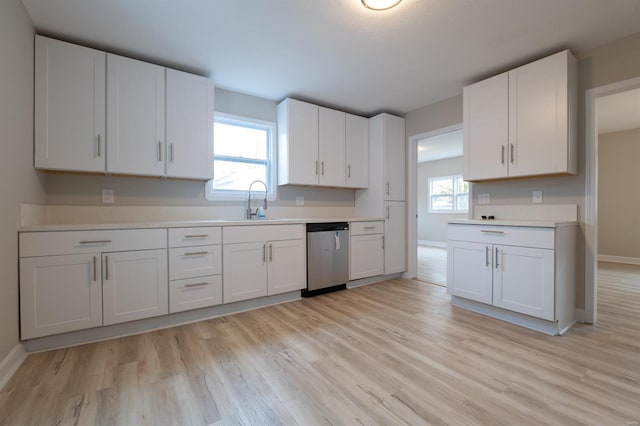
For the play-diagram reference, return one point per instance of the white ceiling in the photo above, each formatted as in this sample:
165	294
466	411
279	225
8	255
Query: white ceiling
619	112
336	52
447	145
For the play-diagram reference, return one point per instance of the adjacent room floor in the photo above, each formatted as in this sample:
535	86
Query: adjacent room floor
432	265
389	353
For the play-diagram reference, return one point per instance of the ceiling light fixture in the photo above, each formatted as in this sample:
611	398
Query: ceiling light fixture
380	4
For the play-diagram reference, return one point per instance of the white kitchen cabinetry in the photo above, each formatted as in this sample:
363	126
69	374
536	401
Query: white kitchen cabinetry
367	250
525	270
135	117
522	122
69	106
357	151
331	147
195	268
385	194
190	111
262	260
297	143
66	276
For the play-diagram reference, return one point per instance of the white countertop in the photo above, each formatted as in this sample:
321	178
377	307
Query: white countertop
504	222
190	223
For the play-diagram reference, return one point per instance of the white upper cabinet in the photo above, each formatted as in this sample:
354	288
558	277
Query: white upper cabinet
394	175
190	112
297	143
357	151
314	144
523	122
135	117
331	147
69	107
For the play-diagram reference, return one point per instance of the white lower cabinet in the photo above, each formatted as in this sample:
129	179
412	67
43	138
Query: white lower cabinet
262	261
366	250
395	253
195	293
134	286
470	273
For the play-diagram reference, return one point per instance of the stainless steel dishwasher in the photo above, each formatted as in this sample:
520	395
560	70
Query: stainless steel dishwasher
327	257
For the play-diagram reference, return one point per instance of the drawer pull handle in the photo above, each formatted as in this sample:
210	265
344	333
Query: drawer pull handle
195	285
197	236
369	228
486	231
95	242
196	253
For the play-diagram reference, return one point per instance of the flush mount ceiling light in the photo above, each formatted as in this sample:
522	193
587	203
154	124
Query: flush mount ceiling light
380	4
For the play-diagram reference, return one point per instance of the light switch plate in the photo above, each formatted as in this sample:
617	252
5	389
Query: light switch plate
484	199
107	196
299	201
537	197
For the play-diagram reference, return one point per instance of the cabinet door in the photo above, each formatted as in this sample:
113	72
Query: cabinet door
297	143
331	147
395	250
357	151
286	270
189	126
244	271
394	158
524	280
135	285
59	294
486	128
135	117
469	270
538	127
69	106
367	256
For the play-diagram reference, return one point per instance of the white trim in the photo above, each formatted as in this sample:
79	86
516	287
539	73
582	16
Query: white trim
581	316
412	195
619	259
591	192
10	364
432	243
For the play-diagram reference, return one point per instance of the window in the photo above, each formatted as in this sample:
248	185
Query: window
448	194
243	151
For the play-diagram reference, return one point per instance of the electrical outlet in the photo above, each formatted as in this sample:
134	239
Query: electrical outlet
107	196
483	199
299	201
537	197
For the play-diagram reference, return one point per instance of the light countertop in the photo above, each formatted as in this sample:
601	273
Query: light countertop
504	222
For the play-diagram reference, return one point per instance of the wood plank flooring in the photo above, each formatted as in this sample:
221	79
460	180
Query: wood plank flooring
432	265
389	353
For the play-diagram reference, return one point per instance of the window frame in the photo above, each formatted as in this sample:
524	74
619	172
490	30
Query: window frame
454	195
211	194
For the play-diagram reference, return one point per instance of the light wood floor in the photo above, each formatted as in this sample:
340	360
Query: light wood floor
389	353
432	265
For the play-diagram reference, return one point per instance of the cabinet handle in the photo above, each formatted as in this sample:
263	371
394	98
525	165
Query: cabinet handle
486	256
383	242
95	242
196	253
270	252
95	269
316	167
264	253
512	150
159	151
171	151
497	265
388	215
502	154
195	285
106	268
369	228
99	146
322	167
349	171
197	236
388	187
487	231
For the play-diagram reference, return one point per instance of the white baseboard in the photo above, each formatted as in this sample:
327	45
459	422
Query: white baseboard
10	364
372	280
432	243
619	259
581	315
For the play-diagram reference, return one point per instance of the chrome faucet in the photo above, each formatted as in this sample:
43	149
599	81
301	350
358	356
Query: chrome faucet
251	214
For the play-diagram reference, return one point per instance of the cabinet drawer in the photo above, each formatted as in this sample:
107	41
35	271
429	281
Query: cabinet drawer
195	293
200	236
200	261
257	233
78	242
506	235
367	228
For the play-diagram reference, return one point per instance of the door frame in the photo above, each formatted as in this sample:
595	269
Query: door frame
412	193
590	313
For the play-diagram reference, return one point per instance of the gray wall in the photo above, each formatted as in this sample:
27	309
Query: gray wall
433	226
73	189
18	180
618	202
610	63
